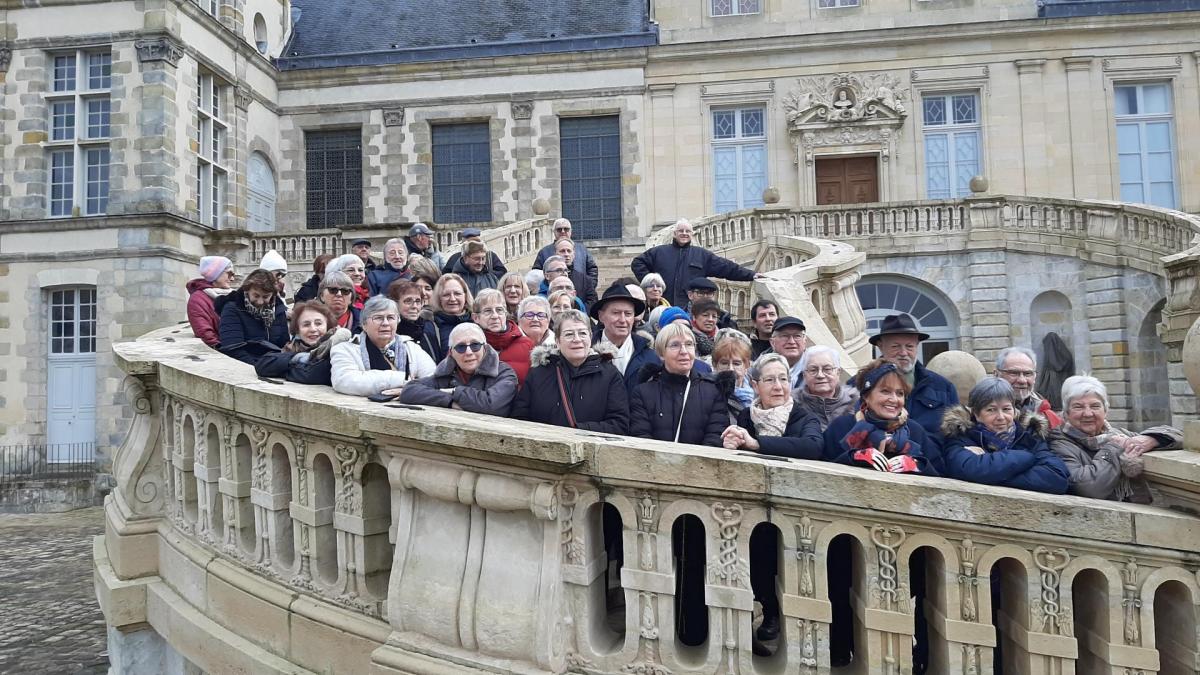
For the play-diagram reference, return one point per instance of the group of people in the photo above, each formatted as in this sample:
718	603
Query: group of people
655	356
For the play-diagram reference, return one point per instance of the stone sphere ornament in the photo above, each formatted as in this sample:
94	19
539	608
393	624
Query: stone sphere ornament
978	185
771	195
962	369
541	206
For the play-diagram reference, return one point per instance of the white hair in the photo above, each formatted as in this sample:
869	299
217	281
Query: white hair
1009	351
339	263
682	221
817	350
561	221
394	241
528	303
653	278
465	328
1078	386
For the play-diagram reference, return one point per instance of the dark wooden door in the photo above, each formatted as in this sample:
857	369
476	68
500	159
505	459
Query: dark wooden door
847	180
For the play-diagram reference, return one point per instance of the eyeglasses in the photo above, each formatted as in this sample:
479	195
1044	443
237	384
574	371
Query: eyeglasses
680	346
562	229
383	318
576	335
339	291
412	302
473	346
788	337
824	370
557	270
772	381
1027	374
538	316
492	311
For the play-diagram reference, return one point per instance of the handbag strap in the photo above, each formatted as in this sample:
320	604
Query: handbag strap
562	391
686	390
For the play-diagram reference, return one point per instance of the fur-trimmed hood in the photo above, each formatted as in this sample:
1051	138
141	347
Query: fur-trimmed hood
957	421
546	353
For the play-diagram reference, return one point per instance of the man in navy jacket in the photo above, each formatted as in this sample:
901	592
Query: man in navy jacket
898	341
679	262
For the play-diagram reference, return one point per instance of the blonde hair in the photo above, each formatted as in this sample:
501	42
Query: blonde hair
436	300
669	331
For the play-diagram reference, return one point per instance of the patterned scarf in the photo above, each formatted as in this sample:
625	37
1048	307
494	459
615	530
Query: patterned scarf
264	314
704	343
771	421
994	442
873	432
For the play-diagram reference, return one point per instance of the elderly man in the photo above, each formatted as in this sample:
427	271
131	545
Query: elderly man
898	341
584	263
679	262
763	315
789	340
702	288
362	249
1017	366
493	260
616	312
420	241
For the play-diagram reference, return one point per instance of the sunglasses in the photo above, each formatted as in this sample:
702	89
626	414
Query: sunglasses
339	291
473	346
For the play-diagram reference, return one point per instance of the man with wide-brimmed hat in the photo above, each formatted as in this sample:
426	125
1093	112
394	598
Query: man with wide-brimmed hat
616	311
899	341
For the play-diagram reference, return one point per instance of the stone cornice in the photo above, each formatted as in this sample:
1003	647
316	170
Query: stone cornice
84	224
390	104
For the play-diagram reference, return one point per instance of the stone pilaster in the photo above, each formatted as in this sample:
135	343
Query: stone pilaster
121	166
1033	124
1109	339
989	304
1080	111
523	154
27	81
159	156
373	138
395	132
1181	311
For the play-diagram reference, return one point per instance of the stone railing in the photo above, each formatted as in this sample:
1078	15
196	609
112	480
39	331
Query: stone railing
270	528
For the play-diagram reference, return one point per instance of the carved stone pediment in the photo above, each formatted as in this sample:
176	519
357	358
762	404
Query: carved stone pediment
845	98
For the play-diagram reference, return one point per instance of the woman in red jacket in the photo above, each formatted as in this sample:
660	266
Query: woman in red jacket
216	277
491	313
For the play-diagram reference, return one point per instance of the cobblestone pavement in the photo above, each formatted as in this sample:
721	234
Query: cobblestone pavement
49	620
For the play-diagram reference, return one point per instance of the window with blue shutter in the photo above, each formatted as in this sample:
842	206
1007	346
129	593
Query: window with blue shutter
590	152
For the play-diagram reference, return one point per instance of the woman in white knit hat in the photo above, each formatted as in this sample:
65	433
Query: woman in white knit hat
275	264
216	277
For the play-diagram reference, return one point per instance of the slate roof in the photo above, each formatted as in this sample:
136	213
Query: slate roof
331	33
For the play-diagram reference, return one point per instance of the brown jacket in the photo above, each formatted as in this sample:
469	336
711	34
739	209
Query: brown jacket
1099	467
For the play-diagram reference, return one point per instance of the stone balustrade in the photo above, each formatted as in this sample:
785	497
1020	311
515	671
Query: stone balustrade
260	526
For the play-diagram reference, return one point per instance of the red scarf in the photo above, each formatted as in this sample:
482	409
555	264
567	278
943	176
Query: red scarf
361	293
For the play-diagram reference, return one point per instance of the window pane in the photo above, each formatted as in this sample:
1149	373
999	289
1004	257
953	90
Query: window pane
62	120
935	110
1126	100
1130	168
964	109
1129	139
1163	194
62	181
1132	192
99	70
64	73
97	180
98	114
1158	137
591	169
752	123
724	123
748	6
1156	99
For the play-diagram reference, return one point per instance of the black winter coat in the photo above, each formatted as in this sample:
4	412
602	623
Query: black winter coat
678	265
931	395
381	277
584	262
285	364
243	336
490	390
801	438
494	263
657	404
437	334
595	389
309	289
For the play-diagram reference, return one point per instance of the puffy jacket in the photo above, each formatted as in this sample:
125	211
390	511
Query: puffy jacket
826	410
1094	463
931	395
476	281
202	312
584	262
657	405
643	355
678	265
437	333
243	336
1028	465
513	347
801	437
352	374
1036	405
595	389
381	277
928	456
309	290
490	390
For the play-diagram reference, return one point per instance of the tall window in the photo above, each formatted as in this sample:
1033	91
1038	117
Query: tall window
739	158
734	7
260	194
952	143
462	173
210	6
211	174
333	177
73	321
79	107
1145	143
591	175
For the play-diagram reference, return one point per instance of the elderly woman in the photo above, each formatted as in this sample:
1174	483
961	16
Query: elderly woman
676	402
310	289
352	266
990	442
731	363
512	285
472	377
411	302
565	249
533	318
654	286
773	424
216	277
560	302
821	392
378	362
253	318
879	436
573	384
502	333
395	266
451	306
1104	462
305	359
337	292
705	314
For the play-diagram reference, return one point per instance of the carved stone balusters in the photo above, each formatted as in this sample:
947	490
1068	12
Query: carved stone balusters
1131	603
727	568
230	509
648	658
258	490
304	573
177	461
349	502
806	555
572	544
1051	562
206	485
968	589
889	592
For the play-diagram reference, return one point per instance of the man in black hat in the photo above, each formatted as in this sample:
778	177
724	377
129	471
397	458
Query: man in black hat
899	341
616	311
789	340
476	234
362	249
702	288
420	241
679	262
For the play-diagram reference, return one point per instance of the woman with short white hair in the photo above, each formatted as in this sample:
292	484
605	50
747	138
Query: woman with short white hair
353	267
822	392
1105	462
378	361
471	377
533	317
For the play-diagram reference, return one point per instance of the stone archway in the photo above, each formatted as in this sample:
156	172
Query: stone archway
882	295
1151	399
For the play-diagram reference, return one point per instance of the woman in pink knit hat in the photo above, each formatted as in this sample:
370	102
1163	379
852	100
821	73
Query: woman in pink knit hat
216	277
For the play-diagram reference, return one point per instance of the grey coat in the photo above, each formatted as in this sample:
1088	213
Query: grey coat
844	402
490	390
1099	467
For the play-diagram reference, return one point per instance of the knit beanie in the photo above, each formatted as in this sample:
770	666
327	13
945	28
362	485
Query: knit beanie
672	314
213	266
273	262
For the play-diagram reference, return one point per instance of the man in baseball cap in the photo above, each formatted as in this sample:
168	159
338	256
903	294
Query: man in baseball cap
362	249
789	340
420	241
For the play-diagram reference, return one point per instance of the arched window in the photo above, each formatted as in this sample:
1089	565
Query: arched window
260	202
933	313
260	34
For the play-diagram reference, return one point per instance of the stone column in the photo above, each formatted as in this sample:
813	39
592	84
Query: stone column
661	157
988	306
1033	124
523	155
394	160
1080	105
